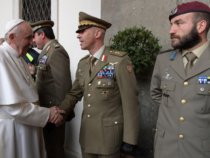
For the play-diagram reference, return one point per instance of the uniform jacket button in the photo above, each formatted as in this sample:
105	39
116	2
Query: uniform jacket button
181	119
88	116
89	105
186	83
164	87
89	95
115	122
89	84
183	101
181	137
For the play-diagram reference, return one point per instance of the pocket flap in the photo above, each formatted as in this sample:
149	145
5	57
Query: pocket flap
41	67
168	85
114	120
105	83
203	89
206	145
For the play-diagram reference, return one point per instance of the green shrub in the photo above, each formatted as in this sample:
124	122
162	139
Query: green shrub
140	44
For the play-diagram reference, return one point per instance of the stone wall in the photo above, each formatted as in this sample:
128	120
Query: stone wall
152	14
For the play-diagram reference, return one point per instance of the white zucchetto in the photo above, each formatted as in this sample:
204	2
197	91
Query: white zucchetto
11	24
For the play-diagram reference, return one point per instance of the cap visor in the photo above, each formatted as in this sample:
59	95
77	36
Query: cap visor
82	28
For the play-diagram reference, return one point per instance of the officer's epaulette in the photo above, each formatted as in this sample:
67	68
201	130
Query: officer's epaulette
117	53
57	45
85	57
166	51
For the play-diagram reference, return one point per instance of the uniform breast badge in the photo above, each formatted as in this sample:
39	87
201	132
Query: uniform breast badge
106	72
167	77
204	80
43	60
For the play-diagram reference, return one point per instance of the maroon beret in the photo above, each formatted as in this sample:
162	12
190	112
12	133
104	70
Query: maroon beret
189	7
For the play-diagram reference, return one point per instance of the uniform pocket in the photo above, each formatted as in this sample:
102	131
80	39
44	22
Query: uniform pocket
112	131
168	93
40	73
202	99
159	136
105	88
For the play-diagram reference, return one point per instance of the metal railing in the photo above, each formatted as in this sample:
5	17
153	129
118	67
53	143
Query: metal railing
36	10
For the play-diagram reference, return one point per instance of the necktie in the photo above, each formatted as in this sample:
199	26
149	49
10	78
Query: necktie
190	57
92	65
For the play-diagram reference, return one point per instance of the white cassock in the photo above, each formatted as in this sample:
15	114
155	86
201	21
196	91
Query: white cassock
21	118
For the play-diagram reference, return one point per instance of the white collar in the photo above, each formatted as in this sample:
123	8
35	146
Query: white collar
10	50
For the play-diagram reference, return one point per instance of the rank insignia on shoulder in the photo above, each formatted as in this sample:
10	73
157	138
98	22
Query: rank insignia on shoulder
204	80
56	45
129	67
43	60
106	72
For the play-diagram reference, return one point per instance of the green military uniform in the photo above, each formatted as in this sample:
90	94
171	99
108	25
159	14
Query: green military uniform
53	82
111	111
181	87
184	115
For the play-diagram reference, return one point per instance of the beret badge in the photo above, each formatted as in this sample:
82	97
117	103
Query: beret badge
174	11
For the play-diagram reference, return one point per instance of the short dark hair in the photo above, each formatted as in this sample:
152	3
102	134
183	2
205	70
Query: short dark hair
48	31
198	16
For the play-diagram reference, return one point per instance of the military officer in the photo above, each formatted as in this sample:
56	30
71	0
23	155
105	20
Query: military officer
181	86
53	81
106	79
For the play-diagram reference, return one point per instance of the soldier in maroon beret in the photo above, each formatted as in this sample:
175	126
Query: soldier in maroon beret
181	86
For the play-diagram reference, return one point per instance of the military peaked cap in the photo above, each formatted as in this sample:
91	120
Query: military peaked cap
87	21
39	24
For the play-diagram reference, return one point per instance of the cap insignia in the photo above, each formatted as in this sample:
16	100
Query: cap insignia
174	11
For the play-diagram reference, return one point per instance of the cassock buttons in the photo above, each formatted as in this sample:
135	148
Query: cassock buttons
183	101
181	137
186	83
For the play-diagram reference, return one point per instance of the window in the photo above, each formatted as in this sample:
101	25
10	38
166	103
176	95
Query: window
36	10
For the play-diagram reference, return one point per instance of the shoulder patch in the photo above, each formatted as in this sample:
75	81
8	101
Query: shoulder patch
85	57
117	53
165	51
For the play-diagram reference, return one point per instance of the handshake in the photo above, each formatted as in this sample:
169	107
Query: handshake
56	116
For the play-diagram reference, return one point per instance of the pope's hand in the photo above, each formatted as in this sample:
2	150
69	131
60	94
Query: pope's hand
56	115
